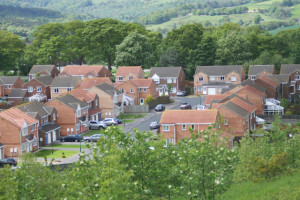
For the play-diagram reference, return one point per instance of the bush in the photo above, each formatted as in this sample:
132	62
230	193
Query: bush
159	100
149	99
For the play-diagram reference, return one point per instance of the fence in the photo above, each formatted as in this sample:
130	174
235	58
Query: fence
159	100
282	116
136	109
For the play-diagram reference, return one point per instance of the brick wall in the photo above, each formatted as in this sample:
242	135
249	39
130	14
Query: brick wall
271	91
34	84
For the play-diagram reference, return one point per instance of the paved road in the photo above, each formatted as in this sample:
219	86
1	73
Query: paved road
144	125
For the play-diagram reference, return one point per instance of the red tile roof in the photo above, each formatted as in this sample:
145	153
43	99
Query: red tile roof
216	105
82	95
94	111
82	69
243	104
189	116
145	83
17	117
87	83
270	81
255	91
209	98
125	70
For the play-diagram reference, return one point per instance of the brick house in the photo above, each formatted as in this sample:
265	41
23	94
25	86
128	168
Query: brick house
110	99
39	86
163	76
176	124
212	80
87	83
256	71
139	89
10	82
85	71
2	151
72	114
293	70
285	84
1	89
62	85
43	70
49	130
91	99
271	84
18	132
17	96
125	73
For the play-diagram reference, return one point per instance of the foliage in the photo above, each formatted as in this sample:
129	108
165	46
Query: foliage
149	99
284	103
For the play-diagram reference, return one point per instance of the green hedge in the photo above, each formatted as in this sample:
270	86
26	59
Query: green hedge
159	100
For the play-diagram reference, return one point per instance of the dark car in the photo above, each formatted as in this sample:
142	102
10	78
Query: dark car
160	107
185	105
8	161
154	125
71	138
118	120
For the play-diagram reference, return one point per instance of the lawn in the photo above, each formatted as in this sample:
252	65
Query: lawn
92	132
128	120
56	153
133	116
71	146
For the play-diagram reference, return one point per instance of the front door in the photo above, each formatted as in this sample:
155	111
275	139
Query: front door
49	138
141	101
54	136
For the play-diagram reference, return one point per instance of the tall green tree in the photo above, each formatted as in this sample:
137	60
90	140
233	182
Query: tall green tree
136	49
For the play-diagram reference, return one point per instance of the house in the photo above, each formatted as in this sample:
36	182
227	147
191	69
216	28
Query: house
1	151
85	71
212	80
49	130
72	114
253	84
272	86
17	96
256	71
87	83
125	73
91	99
285	84
164	76
10	82
176	124
293	70
18	132
43	70
110	99
1	89
213	99
39	87
61	85
139	89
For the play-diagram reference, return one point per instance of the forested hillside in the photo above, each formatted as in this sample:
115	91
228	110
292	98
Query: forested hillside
164	15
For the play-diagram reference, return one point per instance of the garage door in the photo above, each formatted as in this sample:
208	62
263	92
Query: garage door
211	91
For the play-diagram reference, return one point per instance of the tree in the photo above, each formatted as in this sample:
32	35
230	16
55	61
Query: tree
149	99
257	19
135	50
171	57
11	49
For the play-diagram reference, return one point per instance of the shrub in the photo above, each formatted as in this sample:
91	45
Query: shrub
149	99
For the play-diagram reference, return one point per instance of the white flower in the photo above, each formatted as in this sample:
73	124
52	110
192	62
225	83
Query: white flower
228	158
170	186
135	183
191	178
179	158
96	185
181	187
215	163
173	151
63	185
79	192
81	162
189	193
217	181
180	171
205	136
106	151
222	149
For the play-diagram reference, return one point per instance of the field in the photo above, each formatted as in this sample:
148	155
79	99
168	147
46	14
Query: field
56	153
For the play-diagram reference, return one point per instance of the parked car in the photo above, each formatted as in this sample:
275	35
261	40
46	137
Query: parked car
200	107
118	120
180	93
154	125
160	107
71	138
110	121
97	125
93	138
8	161
185	105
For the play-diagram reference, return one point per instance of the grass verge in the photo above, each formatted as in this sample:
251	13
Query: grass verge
133	116
128	120
74	146
56	153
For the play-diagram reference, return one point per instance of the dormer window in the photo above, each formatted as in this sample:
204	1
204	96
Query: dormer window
30	89
201	78
39	88
169	80
121	78
297	77
69	89
233	78
222	78
130	77
253	77
78	113
56	90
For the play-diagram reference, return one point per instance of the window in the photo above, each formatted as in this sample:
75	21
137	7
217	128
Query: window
9	86
122	90
140	89
193	126
199	88
183	127
156	80
56	90
169	80
211	78
222	78
54	117
173	90
297	77
130	77
201	78
131	90
226	122
253	77
220	90
298	87
34	141
78	113
25	131
69	89
46	119
204	89
39	88
174	80
145	89
32	128
169	141
166	128
233	78
121	78
30	89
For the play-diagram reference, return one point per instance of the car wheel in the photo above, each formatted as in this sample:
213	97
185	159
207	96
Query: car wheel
99	128
151	128
62	140
88	141
76	140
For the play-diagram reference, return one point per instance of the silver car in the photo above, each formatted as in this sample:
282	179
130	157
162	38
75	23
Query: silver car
110	121
97	125
93	138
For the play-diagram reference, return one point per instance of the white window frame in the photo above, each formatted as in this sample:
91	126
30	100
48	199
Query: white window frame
193	126
25	131
121	78
30	89
174	80
253	77
233	78
166	128
201	78
298	87
199	88
169	80
219	89
131	90
222	78
183	127
225	122
130	77
54	117
78	113
212	78
56	90
145	89
69	89
9	86
169	141
297	77
174	90
140	89
39	89
32	128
